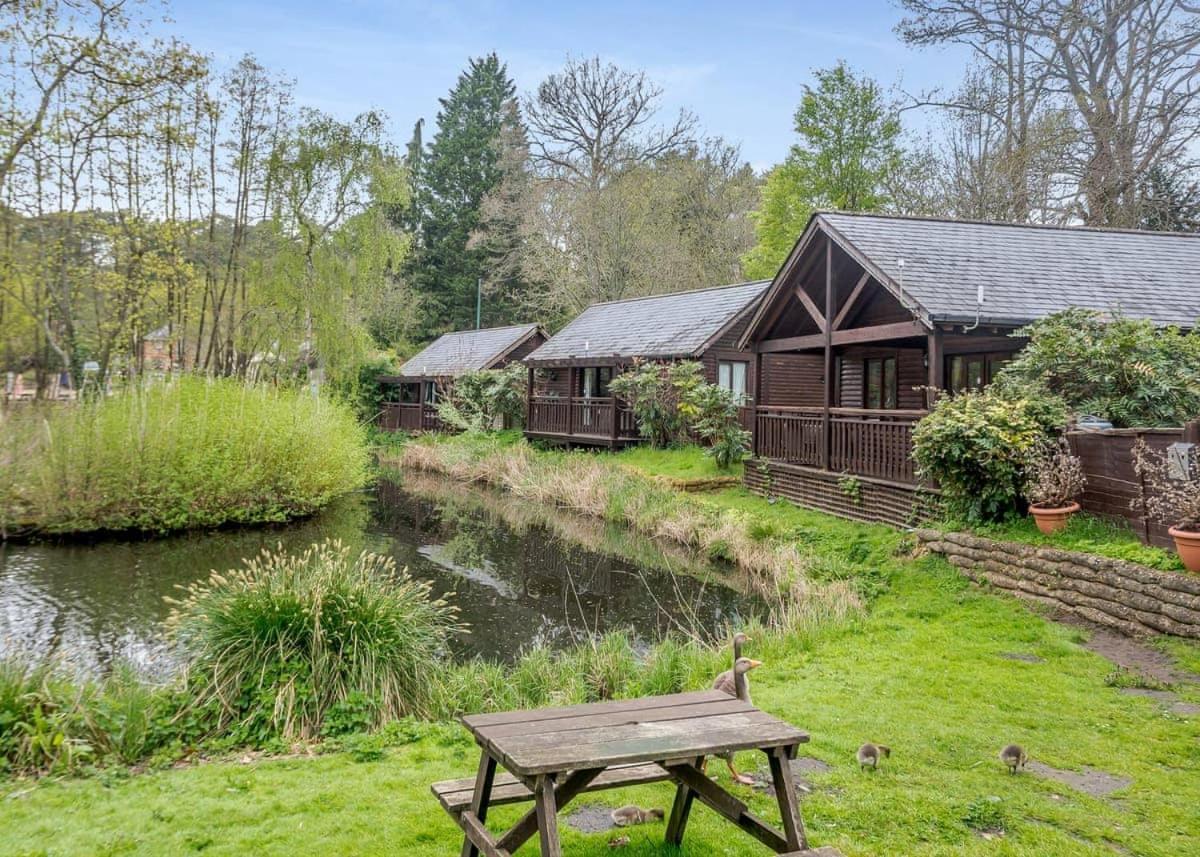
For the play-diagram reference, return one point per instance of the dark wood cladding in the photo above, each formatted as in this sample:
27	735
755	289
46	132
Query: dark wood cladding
1114	489
793	380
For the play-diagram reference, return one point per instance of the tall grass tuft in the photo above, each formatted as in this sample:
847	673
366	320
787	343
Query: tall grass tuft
274	646
193	452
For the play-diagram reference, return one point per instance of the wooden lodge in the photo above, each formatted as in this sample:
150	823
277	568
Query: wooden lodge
871	314
569	376
413	393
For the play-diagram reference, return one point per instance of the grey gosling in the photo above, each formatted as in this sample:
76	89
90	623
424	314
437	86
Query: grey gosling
628	816
1014	756
736	682
870	754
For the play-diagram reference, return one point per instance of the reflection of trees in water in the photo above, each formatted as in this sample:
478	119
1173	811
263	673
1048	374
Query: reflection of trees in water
576	576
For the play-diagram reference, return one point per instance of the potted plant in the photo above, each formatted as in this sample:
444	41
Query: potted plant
1172	495
1053	479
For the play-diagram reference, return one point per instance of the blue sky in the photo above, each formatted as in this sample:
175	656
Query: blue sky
740	68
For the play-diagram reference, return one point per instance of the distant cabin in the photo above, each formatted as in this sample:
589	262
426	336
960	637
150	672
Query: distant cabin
569	395
870	312
412	394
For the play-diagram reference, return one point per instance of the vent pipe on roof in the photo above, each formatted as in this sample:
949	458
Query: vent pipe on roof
978	309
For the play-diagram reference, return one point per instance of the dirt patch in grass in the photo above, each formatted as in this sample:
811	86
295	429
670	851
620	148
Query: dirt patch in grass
592	818
1089	780
1022	657
1170	701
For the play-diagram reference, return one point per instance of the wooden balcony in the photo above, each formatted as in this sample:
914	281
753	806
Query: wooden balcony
593	420
856	441
410	417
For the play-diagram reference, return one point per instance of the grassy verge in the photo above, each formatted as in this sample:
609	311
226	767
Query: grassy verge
1084	533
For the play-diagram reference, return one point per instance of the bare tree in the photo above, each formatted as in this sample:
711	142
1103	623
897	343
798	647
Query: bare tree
1125	72
592	119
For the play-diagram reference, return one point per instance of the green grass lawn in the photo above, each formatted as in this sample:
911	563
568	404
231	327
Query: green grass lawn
685	463
923	672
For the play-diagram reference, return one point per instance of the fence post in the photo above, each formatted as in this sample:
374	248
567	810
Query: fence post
1191	432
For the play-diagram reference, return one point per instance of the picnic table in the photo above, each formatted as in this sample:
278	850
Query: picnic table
553	755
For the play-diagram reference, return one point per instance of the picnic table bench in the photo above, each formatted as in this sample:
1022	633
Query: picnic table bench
553	755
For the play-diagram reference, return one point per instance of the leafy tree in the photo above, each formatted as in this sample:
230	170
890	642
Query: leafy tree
849	148
1123	369
460	166
479	401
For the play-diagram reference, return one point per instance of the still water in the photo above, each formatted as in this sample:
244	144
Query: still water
520	574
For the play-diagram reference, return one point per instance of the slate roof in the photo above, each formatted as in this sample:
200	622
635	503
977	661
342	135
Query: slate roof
1028	272
660	326
465	351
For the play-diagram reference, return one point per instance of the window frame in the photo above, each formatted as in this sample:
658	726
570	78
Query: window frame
888	388
744	396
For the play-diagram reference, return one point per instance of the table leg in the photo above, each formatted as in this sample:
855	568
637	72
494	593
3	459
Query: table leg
680	810
483	796
785	793
547	816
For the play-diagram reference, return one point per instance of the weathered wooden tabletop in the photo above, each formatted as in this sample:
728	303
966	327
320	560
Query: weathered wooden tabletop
603	734
558	753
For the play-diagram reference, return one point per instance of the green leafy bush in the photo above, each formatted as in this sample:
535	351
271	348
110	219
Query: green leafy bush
194	452
976	447
1125	370
484	400
713	413
360	388
278	647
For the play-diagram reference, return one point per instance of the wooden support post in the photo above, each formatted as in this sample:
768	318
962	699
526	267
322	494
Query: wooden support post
1191	432
547	816
681	809
785	792
935	354
757	401
483	794
529	398
828	331
570	403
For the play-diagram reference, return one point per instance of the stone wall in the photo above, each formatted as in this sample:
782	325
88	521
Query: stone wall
1127	597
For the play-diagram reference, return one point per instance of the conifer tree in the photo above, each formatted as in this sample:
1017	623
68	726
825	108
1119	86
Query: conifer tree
451	177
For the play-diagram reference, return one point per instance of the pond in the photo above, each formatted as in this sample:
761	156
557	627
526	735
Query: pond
521	575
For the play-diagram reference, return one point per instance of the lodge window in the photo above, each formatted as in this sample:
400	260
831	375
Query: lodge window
731	376
881	391
973	371
594	381
429	393
409	393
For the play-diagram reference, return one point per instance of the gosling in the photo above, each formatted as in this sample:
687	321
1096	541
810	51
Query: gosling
627	816
1014	756
869	755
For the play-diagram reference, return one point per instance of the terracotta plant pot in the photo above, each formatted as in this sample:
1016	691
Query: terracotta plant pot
1187	543
1051	520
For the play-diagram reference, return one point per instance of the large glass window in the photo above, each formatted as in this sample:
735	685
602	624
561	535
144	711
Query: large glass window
430	392
594	381
972	371
731	375
881	390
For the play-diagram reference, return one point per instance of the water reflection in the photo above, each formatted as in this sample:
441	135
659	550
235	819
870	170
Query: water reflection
521	575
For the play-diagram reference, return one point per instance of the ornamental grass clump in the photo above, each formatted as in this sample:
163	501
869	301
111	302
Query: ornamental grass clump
274	647
191	452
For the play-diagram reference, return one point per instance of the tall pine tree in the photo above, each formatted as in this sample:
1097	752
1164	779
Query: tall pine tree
451	177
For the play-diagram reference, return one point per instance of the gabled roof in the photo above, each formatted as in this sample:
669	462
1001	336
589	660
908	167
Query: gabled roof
1027	272
466	351
680	324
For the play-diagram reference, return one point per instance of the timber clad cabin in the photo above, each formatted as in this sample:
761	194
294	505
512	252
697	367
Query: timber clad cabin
569	398
412	399
871	313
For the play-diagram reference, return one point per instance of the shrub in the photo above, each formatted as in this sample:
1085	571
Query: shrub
1054	477
649	390
194	452
360	388
281	645
976	446
714	417
1171	499
480	401
1123	369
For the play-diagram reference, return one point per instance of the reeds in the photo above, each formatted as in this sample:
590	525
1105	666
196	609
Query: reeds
192	452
